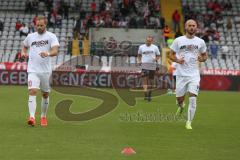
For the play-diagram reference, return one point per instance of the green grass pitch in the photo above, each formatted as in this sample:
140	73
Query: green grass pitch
215	134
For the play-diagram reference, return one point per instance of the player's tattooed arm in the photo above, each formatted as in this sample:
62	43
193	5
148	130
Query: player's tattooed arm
53	52
202	57
174	58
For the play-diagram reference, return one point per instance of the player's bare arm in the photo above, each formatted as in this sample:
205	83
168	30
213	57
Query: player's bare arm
174	58
53	52
157	58
139	58
202	57
24	51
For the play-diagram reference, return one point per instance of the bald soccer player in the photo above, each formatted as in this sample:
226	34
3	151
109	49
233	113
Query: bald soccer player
187	51
148	56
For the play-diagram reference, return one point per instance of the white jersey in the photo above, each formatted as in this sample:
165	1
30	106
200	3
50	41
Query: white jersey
148	56
174	65
189	49
38	43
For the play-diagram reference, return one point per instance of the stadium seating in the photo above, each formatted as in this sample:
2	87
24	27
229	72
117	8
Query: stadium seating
229	50
13	10
11	42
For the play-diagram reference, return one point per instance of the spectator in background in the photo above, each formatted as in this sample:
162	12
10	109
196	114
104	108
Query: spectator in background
58	21
206	20
210	5
35	5
19	58
205	37
216	36
31	28
229	23
219	22
123	8
228	5
82	14
49	4
1	25
108	21
18	25
24	30
90	23
166	32
29	6
176	17
102	6
52	18
93	6
225	51
214	49
78	4
178	33
108	5
132	22
186	8
152	22
35	19
140	21
100	22
217	7
162	22
122	23
65	10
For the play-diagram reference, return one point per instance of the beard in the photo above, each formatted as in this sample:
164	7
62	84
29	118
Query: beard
191	32
40	31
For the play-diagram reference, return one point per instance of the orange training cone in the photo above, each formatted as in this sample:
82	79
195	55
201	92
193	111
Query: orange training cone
128	151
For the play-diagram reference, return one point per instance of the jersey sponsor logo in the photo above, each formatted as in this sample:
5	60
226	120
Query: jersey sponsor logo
39	43
148	52
189	48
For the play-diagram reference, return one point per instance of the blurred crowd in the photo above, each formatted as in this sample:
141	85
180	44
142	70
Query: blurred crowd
125	14
209	22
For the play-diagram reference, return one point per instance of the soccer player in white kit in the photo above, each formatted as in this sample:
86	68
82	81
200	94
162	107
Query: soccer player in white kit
40	46
148	56
187	51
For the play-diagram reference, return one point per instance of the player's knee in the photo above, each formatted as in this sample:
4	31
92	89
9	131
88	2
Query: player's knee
45	95
192	94
32	92
180	100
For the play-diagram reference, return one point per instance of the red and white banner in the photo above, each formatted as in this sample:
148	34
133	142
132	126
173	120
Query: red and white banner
117	80
20	66
220	72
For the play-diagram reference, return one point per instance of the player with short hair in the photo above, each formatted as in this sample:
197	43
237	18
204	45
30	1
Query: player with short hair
187	51
148	55
41	46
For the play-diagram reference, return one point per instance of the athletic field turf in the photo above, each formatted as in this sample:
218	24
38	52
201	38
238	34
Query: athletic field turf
215	134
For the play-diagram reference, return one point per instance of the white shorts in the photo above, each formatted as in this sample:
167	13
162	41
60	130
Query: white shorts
39	81
186	84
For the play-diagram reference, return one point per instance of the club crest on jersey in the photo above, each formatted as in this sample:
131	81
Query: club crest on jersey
39	43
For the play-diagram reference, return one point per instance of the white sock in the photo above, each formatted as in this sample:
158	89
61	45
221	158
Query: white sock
32	105
192	108
44	106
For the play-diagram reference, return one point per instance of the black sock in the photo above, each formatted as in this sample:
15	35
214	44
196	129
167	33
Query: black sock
146	94
149	93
